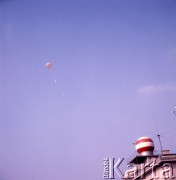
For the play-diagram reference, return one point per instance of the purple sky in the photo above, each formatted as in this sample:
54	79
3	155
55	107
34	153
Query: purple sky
115	67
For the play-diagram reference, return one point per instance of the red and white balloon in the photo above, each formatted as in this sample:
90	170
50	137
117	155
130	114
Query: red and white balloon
49	65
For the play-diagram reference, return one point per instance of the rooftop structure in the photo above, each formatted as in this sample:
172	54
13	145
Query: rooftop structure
148	166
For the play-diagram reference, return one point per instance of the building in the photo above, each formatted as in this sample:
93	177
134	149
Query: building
148	166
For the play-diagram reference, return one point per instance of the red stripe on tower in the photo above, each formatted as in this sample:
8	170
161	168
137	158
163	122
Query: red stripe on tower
143	140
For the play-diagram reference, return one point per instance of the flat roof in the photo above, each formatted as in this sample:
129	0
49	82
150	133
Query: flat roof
140	159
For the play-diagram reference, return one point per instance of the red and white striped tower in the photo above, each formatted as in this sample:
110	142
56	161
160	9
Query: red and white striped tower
145	146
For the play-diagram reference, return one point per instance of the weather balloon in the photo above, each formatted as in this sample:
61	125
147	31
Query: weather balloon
48	65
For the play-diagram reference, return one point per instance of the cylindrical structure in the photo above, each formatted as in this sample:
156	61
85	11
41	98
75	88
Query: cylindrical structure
145	146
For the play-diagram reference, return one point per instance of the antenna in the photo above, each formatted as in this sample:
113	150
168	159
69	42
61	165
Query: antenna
159	137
